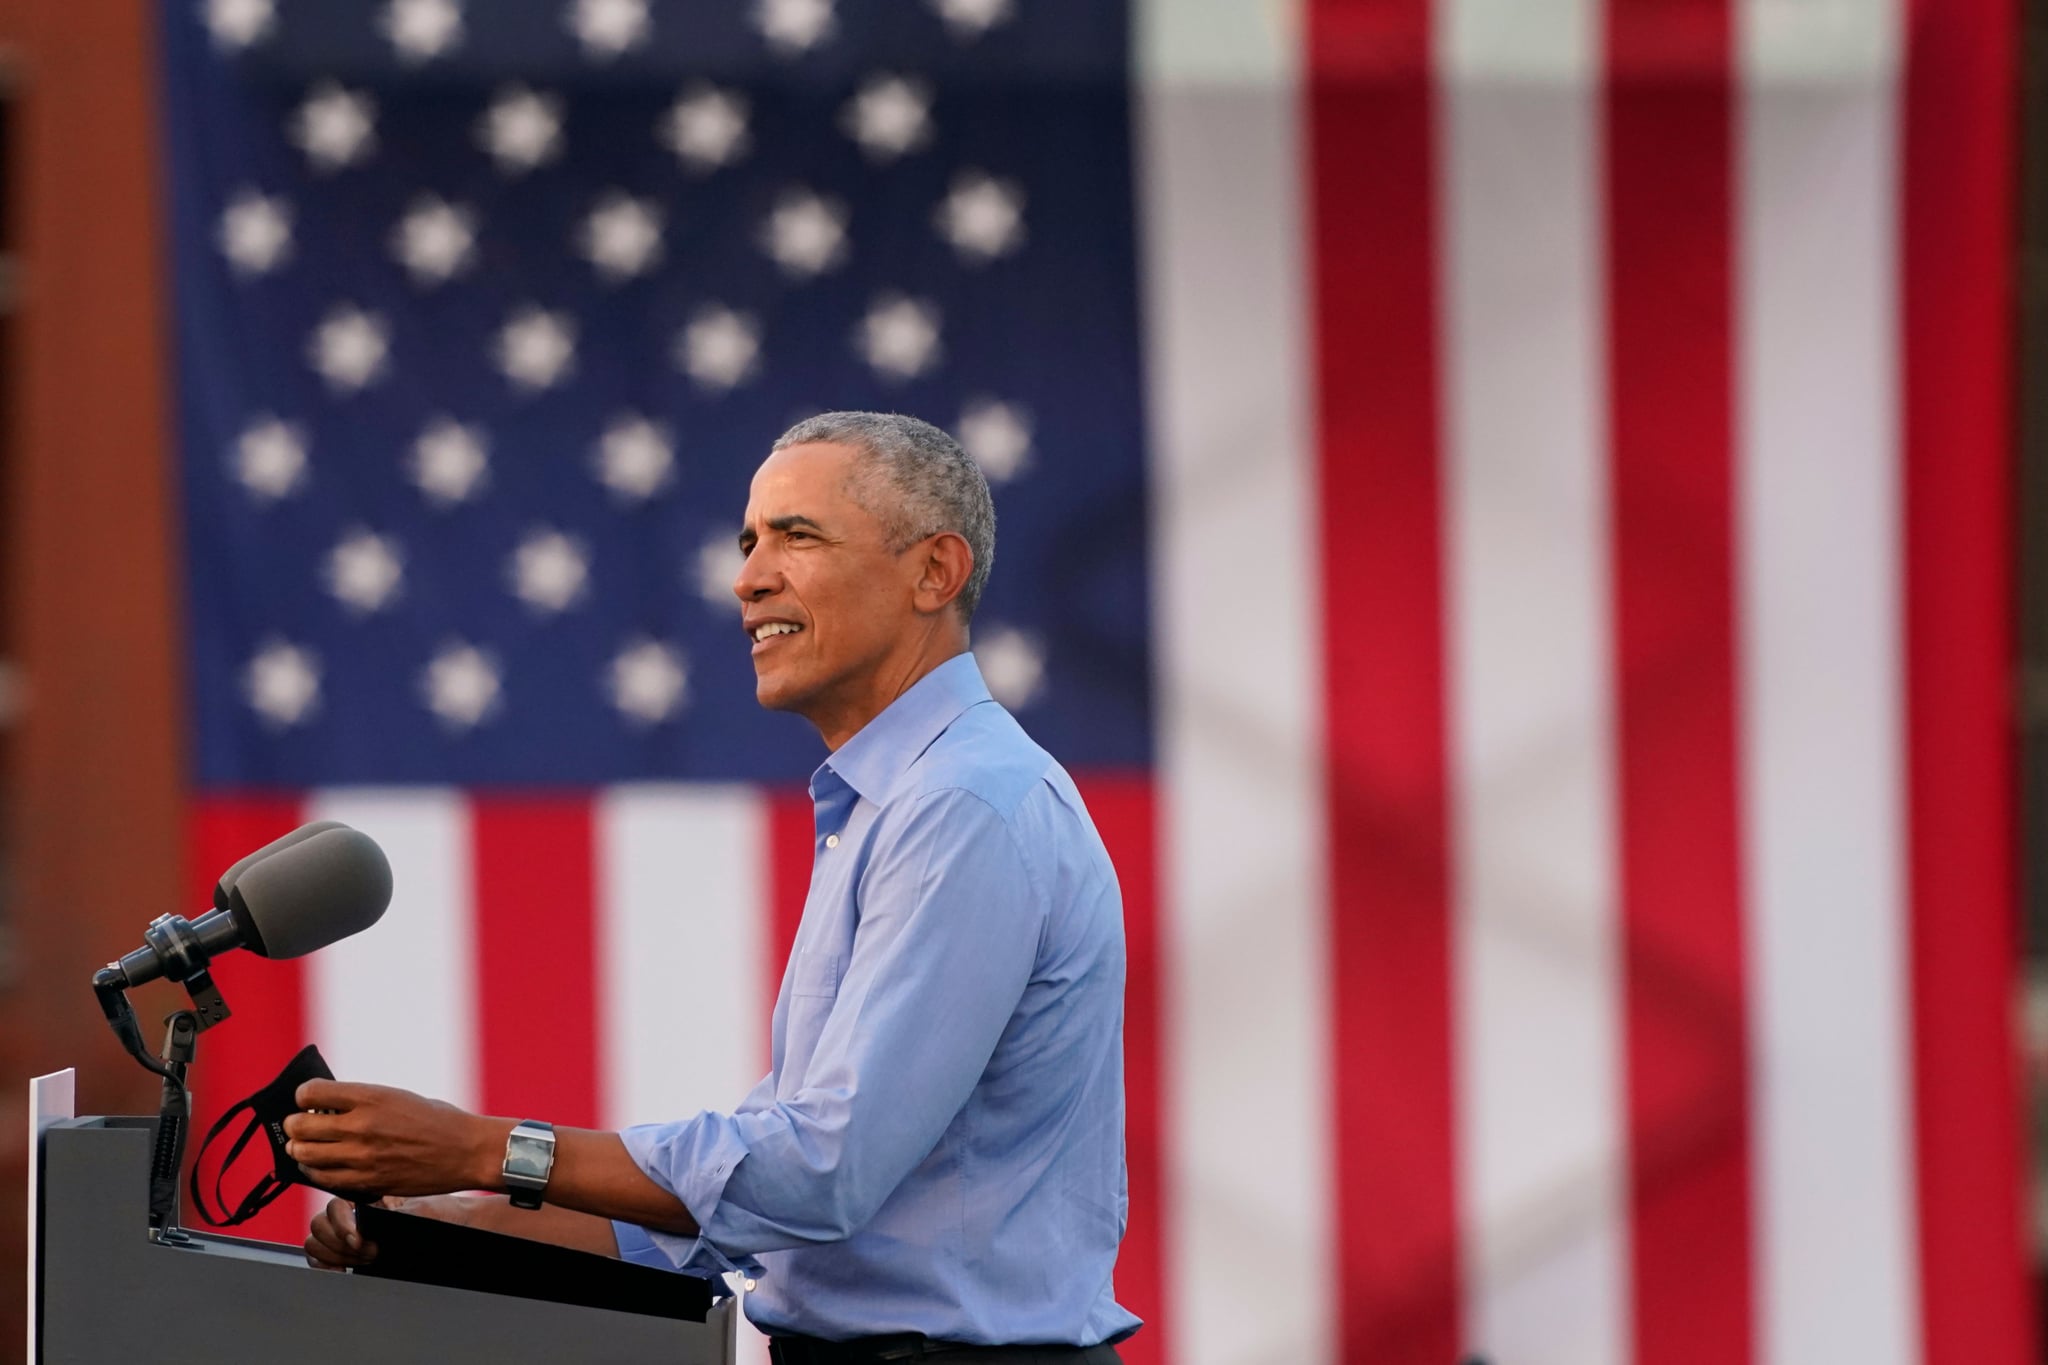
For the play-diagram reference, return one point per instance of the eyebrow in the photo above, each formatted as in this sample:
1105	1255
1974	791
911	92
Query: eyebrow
788	523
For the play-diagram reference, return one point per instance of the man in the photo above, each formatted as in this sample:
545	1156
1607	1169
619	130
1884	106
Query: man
935	1160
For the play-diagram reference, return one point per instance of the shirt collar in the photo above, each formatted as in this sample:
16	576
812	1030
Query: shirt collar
881	751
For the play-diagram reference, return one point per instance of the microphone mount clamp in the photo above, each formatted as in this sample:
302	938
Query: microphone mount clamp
186	958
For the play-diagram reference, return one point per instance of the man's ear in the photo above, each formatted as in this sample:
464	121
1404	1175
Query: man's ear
943	572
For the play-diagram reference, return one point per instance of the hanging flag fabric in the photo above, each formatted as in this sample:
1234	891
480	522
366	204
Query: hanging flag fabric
1501	507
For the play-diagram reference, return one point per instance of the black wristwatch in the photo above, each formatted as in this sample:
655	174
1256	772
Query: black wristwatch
529	1158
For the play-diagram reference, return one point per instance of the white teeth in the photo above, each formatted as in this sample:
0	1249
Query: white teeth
774	628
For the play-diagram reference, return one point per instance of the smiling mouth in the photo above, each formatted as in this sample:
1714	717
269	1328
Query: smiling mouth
769	631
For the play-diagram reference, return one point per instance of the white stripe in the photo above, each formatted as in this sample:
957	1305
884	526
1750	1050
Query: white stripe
682	925
1538	1010
396	1004
1484	43
1820	610
1191	46
1789	42
1248	1236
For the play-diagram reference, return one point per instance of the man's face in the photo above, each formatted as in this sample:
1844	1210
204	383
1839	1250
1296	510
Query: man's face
819	573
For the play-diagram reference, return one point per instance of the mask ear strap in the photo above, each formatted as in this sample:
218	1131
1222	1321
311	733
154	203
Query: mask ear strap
260	1198
220	1172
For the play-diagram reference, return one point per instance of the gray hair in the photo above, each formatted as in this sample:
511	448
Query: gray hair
917	480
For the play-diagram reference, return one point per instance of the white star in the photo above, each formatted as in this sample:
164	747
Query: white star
793	27
235	24
718	348
270	458
421	30
998	436
806	233
622	236
899	337
718	563
982	217
548	571
969	19
537	348
607	28
256	232
364	570
349	347
335	127
634	459
282	683
435	241
889	116
521	129
706	128
461	685
648	681
1012	664
449	461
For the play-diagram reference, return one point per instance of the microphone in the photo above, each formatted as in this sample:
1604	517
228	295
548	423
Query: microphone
316	885
228	878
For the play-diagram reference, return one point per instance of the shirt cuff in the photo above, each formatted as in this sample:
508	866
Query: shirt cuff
692	1160
636	1245
639	1248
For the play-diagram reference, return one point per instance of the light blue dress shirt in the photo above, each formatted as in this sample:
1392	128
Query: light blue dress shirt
938	1146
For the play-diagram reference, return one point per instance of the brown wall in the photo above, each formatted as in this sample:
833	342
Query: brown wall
94	767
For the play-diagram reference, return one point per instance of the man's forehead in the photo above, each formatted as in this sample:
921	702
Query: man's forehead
803	480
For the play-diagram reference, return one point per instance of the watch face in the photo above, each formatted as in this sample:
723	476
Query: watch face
529	1157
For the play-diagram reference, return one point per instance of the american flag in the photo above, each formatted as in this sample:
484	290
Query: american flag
1502	509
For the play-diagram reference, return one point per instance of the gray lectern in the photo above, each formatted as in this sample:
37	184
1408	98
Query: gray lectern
105	1291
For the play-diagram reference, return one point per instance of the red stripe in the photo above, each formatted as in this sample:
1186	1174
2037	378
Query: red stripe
1373	228
1122	808
268	1022
1669	226
792	848
1957	244
534	876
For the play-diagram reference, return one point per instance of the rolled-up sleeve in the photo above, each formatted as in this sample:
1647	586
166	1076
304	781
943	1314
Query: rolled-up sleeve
950	924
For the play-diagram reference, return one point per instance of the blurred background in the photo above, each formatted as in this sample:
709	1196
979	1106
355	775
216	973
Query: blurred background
1526	519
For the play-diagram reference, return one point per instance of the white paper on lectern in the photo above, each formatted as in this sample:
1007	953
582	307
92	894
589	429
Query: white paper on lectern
50	1098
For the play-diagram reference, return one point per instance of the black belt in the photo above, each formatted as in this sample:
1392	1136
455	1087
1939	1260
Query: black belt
910	1346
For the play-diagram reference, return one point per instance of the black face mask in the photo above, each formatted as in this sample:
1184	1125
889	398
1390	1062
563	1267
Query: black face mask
268	1108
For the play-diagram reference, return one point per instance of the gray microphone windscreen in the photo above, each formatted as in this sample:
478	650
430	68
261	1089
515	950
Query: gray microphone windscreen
227	881
309	895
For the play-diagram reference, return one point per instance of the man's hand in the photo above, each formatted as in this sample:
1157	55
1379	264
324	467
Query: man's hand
376	1140
372	1140
335	1243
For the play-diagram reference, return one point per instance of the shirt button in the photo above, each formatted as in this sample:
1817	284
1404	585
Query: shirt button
831	841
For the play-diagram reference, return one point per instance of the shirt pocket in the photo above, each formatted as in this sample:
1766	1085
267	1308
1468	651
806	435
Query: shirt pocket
815	974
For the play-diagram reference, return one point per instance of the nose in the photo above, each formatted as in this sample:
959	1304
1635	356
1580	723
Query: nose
756	578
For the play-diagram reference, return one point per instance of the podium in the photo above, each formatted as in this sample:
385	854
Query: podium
105	1290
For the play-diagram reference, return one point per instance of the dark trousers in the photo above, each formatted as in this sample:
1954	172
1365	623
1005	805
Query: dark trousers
887	1350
